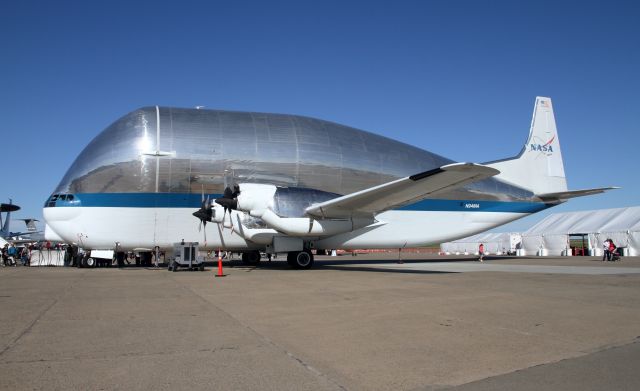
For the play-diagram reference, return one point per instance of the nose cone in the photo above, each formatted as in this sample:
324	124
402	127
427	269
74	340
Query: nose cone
51	235
62	223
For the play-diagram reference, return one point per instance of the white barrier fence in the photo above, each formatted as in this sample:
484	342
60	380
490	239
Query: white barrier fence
47	258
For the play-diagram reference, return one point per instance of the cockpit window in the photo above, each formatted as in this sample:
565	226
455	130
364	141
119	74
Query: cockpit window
66	200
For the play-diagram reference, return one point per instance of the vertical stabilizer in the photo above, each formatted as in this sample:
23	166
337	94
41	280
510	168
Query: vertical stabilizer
31	224
4	230
539	165
4	227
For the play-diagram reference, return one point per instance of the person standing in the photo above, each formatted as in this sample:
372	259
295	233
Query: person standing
120	258
612	250
5	255
606	256
481	252
13	255
24	256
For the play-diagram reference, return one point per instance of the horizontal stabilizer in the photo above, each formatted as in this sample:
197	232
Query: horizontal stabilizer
401	191
565	195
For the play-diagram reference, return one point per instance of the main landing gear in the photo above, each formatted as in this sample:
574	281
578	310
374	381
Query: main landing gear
295	259
251	258
300	259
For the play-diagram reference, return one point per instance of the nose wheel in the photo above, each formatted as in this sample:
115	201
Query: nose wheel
300	259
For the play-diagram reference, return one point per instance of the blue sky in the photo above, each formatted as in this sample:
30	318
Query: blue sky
458	78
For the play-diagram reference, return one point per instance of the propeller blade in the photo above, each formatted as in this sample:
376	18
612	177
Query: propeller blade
205	235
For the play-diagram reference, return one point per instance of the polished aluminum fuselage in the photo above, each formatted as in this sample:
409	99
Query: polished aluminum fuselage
209	149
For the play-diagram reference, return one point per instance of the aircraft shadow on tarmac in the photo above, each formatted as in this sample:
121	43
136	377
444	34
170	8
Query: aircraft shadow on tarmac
351	265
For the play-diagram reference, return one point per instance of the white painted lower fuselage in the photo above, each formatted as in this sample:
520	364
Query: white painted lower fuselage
146	228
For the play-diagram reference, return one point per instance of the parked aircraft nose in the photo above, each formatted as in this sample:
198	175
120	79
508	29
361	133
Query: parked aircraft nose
51	235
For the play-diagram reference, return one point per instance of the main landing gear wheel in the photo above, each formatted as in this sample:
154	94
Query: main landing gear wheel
89	262
251	258
300	259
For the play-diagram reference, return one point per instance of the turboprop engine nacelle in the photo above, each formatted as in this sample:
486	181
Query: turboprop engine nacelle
218	213
258	201
256	198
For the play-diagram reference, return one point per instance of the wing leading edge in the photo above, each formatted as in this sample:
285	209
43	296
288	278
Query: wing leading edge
401	191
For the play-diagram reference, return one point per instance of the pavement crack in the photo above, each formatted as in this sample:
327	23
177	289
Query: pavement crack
122	355
267	340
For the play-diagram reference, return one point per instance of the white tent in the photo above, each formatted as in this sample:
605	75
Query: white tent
551	235
494	243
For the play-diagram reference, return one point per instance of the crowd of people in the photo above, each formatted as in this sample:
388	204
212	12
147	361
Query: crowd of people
11	255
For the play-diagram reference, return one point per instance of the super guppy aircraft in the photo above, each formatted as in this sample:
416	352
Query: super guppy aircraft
300	183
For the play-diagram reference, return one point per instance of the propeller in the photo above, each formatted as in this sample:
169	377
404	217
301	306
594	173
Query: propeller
204	214
229	201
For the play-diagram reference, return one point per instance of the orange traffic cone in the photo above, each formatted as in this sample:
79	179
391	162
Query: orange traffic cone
220	274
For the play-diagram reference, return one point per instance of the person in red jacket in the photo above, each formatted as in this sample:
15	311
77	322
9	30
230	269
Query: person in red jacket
612	251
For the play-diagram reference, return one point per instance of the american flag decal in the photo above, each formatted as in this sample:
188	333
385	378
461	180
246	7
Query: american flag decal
544	103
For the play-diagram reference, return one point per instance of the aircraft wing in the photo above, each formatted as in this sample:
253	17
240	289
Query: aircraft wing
565	195
401	191
21	241
15	234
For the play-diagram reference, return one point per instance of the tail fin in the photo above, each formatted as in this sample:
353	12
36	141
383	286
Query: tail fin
31	224
539	165
7	208
4	231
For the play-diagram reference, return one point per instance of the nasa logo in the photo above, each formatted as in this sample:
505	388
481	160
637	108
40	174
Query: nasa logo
541	148
545	148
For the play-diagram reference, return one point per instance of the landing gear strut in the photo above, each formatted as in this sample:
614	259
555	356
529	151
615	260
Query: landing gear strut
300	259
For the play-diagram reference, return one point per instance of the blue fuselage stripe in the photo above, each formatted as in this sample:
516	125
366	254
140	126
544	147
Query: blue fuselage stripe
476	206
181	200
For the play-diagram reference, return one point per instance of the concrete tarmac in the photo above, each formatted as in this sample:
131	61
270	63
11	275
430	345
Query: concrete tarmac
351	323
